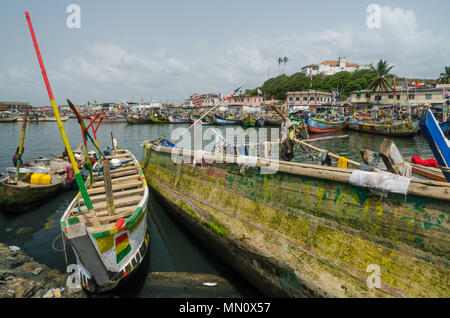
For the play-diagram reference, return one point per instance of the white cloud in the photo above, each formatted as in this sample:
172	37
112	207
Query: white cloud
106	71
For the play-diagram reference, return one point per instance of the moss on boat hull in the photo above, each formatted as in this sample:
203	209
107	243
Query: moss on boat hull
15	199
294	235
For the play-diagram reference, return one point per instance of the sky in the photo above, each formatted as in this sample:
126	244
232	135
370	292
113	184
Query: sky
168	50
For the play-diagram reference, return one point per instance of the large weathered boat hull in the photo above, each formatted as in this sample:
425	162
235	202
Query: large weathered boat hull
305	231
138	120
403	129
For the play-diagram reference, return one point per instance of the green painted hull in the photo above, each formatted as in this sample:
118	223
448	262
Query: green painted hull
308	232
248	121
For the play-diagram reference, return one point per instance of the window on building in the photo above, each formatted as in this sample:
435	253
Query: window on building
411	96
378	97
297	98
398	97
305	98
311	98
391	96
427	96
291	98
367	95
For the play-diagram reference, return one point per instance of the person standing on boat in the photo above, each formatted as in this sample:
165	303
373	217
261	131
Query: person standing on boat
70	176
14	158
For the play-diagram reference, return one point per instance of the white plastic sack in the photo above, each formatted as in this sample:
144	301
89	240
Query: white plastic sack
382	181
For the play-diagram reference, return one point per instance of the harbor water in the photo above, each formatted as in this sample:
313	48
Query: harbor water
172	249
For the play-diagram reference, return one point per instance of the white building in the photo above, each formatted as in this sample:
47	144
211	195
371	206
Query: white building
330	67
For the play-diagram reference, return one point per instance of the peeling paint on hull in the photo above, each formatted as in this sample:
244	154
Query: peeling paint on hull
299	236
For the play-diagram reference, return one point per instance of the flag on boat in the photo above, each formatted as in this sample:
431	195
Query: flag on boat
446	93
416	83
118	105
196	100
404	86
233	92
220	96
259	92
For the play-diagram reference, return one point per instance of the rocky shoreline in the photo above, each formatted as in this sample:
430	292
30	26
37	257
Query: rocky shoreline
22	277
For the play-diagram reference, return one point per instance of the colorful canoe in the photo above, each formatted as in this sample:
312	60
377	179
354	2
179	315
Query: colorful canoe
108	247
135	119
178	120
437	141
320	125
405	128
307	230
219	120
159	119
248	121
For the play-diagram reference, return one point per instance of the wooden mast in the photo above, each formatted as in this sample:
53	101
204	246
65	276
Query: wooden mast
22	139
74	163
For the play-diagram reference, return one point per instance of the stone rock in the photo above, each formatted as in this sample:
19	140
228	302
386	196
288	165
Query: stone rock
24	288
5	274
48	294
37	271
57	293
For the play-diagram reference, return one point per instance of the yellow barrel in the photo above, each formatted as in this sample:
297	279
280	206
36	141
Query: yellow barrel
40	178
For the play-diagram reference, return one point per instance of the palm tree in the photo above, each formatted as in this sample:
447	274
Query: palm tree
280	60
444	78
380	81
285	60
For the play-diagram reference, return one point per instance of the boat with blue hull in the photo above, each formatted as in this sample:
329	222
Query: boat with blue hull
438	143
321	125
219	120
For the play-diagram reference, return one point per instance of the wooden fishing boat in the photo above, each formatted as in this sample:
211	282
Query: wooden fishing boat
321	125
110	246
220	120
248	121
135	119
39	181
404	128
8	117
114	119
305	230
437	141
159	119
176	119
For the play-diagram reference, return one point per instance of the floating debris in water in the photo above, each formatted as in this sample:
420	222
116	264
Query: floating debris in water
23	230
210	284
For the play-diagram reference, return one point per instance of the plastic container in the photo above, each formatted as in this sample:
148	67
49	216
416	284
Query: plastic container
40	178
23	173
39	170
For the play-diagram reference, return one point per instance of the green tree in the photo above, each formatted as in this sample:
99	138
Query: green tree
444	78
380	82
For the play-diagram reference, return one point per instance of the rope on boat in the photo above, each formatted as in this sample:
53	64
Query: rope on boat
53	244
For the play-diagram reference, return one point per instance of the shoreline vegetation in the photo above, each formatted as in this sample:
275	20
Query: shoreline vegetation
345	82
